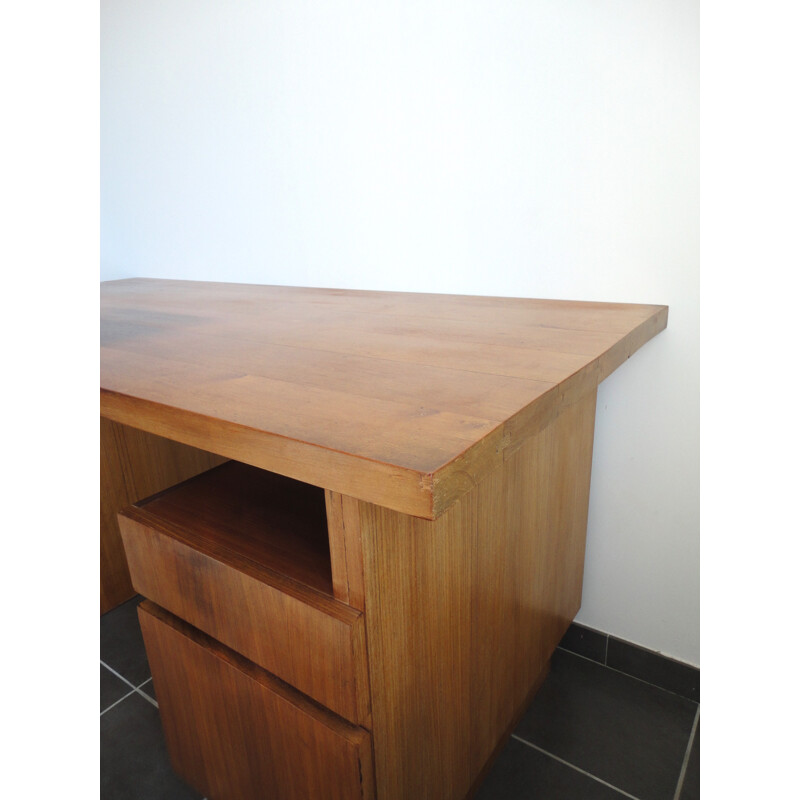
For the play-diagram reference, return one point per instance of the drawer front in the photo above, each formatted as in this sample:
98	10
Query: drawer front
236	733
312	642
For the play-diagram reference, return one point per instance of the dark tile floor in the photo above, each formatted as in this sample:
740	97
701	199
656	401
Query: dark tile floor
591	733
133	759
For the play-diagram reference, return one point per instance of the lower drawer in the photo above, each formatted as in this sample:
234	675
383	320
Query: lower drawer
234	732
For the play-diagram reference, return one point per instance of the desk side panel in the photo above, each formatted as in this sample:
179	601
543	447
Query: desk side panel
463	612
134	465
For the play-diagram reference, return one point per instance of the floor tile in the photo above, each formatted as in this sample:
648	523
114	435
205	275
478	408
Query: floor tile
111	688
121	643
585	642
629	734
523	773
654	668
133	758
691	781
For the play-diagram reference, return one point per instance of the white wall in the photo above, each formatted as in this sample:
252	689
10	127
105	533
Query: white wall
536	148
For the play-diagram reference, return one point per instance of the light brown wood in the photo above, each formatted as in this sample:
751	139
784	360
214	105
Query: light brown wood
422	593
393	485
337	547
270	520
464	612
242	555
503	741
133	465
235	733
402	400
347	564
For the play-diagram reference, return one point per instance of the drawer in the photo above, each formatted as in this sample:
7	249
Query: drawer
242	554
234	732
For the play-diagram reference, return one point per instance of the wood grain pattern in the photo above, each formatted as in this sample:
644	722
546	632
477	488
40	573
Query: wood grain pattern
403	400
389	485
338	549
503	741
463	612
242	555
269	519
421	594
236	733
133	465
344	533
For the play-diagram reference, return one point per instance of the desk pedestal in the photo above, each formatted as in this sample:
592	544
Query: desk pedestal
460	616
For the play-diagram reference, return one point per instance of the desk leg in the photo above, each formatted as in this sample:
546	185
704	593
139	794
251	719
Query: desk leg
464	612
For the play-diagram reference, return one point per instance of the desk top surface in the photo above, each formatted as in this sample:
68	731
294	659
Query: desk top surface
399	399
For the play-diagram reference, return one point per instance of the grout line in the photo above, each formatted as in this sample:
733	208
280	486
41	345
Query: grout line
585	658
117	702
144	694
148	698
686	756
572	766
117	674
136	689
628	675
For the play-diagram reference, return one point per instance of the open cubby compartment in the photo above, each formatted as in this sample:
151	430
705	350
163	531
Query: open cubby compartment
242	512
242	555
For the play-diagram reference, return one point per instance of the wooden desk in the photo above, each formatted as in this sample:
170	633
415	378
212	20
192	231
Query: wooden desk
452	437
